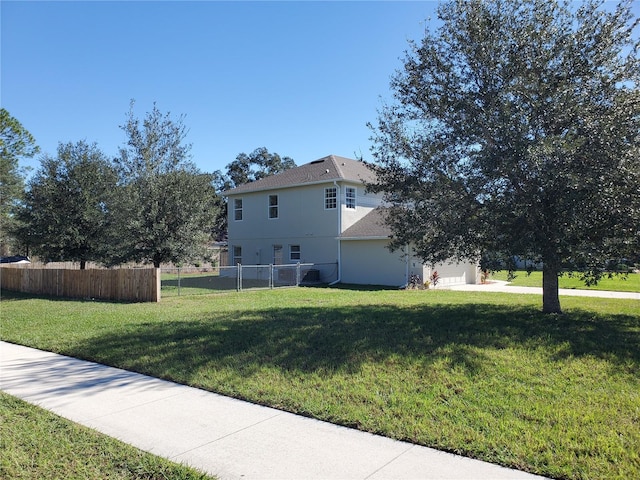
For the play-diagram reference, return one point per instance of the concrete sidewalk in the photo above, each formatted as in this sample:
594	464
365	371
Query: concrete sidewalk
500	286
219	435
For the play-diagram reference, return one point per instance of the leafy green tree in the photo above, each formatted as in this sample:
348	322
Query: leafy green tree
247	168
15	142
168	206
514	131
250	167
66	210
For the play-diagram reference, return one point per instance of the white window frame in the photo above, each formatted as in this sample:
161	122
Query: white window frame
237	209
350	200
330	201
273	208
295	253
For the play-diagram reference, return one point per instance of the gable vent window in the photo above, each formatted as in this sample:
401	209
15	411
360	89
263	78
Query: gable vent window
350	198
330	198
273	206
237	209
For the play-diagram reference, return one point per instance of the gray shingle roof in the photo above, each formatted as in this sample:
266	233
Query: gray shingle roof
326	169
372	225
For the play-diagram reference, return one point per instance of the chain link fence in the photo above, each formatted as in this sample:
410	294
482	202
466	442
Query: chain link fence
199	281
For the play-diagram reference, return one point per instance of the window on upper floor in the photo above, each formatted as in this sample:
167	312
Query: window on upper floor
273	206
237	209
294	253
350	198
330	198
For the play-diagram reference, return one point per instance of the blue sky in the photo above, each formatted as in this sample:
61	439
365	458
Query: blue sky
299	78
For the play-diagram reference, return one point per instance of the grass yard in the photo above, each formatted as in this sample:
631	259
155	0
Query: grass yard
619	283
481	374
173	284
38	444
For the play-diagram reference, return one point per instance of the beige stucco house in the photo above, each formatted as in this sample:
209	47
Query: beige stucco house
320	213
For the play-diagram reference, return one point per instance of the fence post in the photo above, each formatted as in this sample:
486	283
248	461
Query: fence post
271	275
298	274
239	277
158	284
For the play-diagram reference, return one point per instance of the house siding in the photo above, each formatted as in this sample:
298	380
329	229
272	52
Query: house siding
369	262
301	213
302	220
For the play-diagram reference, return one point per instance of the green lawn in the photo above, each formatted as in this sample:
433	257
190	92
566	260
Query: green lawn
37	444
619	283
203	283
481	374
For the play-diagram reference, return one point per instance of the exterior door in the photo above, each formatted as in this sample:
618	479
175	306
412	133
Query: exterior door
277	254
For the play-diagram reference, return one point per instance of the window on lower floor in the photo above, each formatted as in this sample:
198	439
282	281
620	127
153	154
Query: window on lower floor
294	253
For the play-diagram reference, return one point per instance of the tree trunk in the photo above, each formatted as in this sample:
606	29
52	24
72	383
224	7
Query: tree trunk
83	264
550	297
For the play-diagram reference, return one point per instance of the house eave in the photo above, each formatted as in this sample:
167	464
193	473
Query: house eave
364	238
331	181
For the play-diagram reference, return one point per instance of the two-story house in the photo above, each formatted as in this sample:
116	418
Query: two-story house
320	213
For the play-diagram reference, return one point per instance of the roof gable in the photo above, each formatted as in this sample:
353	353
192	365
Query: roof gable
326	169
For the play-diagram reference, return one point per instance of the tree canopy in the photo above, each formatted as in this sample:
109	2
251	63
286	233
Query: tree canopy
250	167
66	209
167	205
515	130
15	143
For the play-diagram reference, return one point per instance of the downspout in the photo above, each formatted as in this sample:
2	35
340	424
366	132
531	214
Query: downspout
339	206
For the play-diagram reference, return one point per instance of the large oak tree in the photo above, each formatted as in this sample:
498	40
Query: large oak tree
68	205
515	130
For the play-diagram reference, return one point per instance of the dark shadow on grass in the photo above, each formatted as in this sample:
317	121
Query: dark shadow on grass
11	296
323	339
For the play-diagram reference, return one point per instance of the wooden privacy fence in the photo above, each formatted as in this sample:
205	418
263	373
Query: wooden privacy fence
126	284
